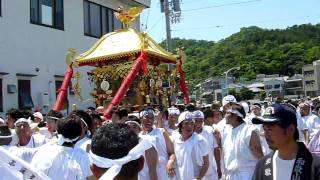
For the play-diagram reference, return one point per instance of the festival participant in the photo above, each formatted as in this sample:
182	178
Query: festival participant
23	153
290	158
214	170
26	136
134	123
164	146
208	117
51	126
38	117
84	140
312	121
241	146
96	121
12	116
191	151
173	114
119	116
116	153
256	111
149	170
61	160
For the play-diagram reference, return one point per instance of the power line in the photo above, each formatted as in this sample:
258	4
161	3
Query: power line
156	23
221	5
243	24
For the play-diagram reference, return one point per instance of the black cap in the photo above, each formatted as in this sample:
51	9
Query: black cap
276	113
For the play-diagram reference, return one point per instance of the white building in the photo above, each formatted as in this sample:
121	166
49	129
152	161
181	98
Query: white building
34	38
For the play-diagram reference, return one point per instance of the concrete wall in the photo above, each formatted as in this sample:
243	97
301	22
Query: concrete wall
25	47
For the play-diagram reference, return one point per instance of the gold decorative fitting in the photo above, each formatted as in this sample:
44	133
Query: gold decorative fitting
127	17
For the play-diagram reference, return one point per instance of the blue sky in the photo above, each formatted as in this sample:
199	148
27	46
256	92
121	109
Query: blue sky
226	17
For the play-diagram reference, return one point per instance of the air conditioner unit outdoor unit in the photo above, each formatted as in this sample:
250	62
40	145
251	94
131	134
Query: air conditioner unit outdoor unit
44	99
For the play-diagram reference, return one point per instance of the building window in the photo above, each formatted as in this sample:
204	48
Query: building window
0	8
268	86
47	13
24	94
98	20
1	100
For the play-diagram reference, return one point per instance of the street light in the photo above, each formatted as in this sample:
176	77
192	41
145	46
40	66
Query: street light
226	72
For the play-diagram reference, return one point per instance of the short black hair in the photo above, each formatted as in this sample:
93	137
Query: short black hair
69	127
207	113
14	114
114	141
190	107
134	118
84	115
27	114
123	112
95	115
55	114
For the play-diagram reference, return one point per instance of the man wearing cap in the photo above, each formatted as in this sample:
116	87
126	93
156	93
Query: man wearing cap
290	158
26	136
164	146
241	146
191	151
214	169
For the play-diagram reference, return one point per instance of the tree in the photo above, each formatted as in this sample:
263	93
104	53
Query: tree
245	94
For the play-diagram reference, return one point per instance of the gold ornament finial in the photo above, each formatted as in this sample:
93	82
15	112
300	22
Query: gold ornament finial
127	17
70	56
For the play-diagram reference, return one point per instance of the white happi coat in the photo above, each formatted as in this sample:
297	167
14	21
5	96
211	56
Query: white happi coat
238	158
161	149
36	140
83	144
207	133
60	162
189	155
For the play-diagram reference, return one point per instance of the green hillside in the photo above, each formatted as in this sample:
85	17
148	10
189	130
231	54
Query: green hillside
255	50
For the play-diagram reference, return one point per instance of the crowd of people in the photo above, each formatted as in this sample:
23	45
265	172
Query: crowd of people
230	141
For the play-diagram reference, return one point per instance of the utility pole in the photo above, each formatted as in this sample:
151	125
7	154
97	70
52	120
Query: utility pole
172	12
168	25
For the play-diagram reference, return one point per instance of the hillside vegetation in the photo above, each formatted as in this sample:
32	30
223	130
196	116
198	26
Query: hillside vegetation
255	50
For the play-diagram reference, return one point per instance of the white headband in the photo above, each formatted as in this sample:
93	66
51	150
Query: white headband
173	110
84	123
51	117
146	112
115	165
134	122
5	137
234	111
23	120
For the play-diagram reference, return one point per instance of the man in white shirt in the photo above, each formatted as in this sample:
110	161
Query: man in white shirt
26	136
191	151
241	146
164	146
214	170
62	160
173	114
290	158
84	141
312	121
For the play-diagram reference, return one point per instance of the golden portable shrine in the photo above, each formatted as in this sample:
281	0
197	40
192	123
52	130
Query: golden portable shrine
130	69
